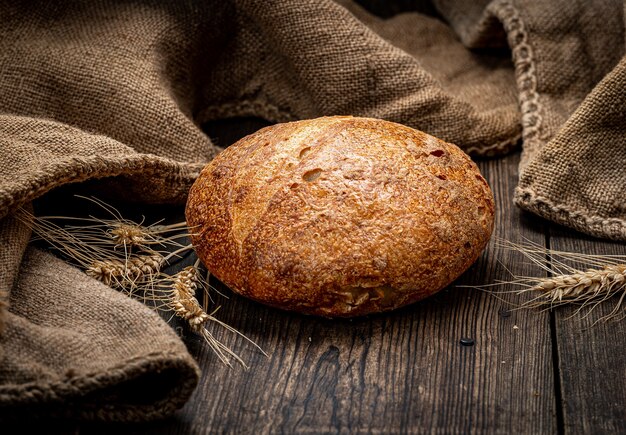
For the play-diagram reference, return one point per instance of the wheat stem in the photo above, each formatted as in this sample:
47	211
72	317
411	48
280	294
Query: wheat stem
179	251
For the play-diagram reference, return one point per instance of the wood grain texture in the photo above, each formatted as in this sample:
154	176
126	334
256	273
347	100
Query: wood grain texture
591	358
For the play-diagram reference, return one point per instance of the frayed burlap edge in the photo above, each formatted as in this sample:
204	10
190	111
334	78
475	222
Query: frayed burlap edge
25	398
181	175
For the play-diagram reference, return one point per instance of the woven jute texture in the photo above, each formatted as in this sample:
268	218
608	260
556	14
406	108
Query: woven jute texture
117	91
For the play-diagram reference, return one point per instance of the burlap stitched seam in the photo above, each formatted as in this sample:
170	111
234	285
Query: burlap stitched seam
31	394
526	77
98	167
495	149
599	226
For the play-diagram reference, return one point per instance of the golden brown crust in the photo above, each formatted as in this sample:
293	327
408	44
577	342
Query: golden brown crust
339	216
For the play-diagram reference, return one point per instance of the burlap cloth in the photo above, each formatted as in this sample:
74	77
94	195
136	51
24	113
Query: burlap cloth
90	90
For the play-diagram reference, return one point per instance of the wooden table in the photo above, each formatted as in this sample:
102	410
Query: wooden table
406	371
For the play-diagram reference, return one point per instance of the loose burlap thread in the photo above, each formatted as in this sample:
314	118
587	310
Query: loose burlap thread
118	91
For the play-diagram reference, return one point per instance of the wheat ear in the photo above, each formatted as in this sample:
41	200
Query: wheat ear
183	303
592	286
127	273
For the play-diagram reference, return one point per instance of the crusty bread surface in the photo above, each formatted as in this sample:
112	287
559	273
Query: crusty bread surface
339	216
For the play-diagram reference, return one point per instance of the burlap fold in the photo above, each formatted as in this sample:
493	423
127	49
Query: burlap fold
74	348
79	350
120	89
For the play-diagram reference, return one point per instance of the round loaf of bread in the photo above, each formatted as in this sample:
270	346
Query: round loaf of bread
339	216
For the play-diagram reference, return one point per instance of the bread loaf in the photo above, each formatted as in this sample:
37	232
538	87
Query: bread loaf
339	216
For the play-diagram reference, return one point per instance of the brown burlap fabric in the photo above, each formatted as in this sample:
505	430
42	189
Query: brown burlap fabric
117	91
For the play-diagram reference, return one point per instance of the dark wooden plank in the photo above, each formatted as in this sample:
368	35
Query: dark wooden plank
396	372
591	358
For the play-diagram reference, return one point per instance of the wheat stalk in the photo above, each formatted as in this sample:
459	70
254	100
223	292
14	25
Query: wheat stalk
602	280
93	235
93	244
